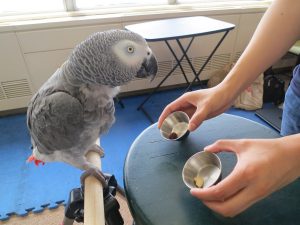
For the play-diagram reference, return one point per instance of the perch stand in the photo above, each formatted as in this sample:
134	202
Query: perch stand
93	195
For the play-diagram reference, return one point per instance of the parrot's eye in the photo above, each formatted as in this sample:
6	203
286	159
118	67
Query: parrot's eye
130	49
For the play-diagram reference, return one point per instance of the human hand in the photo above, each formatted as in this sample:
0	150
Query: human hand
199	105
263	166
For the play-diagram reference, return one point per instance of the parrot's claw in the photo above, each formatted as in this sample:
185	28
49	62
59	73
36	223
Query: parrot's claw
95	173
97	149
36	161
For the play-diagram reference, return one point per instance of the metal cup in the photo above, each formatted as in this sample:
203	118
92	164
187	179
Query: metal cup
203	164
175	126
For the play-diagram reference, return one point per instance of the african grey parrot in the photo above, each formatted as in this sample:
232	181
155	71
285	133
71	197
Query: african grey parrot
75	105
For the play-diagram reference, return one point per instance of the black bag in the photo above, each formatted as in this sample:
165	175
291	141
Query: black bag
273	89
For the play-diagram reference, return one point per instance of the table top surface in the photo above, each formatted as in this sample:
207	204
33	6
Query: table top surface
168	29
157	195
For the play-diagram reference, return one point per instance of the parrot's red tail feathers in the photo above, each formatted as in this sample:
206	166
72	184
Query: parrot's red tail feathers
36	161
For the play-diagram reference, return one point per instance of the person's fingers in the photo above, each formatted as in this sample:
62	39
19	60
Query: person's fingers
167	110
230	185
197	119
236	204
179	103
226	188
223	145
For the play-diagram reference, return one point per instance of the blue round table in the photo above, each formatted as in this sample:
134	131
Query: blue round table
157	195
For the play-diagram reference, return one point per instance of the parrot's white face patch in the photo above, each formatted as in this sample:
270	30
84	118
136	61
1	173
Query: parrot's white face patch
130	53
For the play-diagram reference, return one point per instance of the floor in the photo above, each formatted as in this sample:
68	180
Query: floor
25	188
55	216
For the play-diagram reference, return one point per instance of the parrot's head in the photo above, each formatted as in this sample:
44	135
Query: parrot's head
113	58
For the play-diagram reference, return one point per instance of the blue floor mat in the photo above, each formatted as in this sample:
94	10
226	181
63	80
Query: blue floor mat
25	187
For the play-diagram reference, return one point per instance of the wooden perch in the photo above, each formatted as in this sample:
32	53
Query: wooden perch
93	195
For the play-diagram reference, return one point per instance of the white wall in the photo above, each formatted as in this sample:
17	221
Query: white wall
30	54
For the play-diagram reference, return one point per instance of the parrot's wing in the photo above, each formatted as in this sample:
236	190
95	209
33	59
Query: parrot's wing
55	121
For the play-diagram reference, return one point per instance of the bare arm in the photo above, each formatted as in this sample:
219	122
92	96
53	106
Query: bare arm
264	165
277	31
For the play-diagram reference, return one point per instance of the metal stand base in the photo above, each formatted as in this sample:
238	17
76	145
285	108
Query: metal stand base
74	210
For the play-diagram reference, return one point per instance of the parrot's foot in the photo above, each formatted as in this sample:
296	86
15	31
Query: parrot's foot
95	172
36	161
97	149
101	177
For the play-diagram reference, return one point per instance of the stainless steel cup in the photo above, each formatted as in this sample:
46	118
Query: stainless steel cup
175	126
203	164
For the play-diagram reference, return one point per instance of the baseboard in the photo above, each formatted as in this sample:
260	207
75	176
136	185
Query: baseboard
164	88
13	112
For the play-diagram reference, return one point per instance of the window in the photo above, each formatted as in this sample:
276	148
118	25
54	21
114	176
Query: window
94	4
20	7
209	1
8	7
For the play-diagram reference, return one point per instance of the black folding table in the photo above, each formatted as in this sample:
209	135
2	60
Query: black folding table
177	29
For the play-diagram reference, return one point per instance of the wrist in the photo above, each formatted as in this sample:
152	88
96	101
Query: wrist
228	91
290	146
238	79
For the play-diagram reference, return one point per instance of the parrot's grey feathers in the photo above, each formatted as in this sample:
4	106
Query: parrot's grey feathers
109	58
57	115
75	105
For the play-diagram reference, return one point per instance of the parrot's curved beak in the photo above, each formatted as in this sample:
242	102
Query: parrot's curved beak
149	68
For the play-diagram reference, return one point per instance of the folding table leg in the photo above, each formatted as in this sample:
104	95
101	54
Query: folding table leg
184	52
178	61
140	107
208	59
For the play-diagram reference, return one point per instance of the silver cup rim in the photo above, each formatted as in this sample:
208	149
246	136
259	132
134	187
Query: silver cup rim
180	137
195	155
